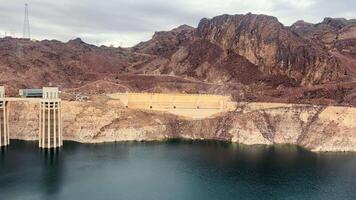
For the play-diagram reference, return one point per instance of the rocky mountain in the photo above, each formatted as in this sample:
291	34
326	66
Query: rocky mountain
336	36
252	57
260	39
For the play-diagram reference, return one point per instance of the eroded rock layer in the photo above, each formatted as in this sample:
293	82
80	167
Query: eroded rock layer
319	128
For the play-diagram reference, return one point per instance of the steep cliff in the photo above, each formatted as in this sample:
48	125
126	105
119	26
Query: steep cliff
317	128
335	35
265	42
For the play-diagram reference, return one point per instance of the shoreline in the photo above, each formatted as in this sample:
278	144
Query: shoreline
184	140
193	142
176	141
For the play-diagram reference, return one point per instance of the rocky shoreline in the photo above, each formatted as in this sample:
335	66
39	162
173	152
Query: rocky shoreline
317	128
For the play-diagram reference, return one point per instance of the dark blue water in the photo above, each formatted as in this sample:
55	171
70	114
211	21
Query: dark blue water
174	170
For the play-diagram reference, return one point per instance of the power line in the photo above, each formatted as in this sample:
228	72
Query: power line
26	24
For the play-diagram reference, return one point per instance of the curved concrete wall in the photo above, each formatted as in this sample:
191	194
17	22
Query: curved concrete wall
189	105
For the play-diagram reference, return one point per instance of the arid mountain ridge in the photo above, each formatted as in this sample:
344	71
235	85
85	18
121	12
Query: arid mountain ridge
252	57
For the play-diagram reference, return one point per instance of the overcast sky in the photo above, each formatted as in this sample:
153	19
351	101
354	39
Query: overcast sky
128	22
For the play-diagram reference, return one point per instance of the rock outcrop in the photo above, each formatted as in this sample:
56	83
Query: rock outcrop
265	42
335	35
318	128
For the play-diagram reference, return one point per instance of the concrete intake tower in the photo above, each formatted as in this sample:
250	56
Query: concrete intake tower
50	116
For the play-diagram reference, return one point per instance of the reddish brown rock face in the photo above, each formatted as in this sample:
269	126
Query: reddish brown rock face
272	47
335	36
251	57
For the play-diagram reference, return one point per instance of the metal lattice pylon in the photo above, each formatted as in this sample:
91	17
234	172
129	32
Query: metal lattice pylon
26	24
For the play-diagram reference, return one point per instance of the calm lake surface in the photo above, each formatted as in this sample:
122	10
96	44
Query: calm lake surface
174	171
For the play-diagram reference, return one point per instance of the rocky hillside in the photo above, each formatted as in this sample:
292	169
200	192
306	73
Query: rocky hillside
252	57
261	40
336	36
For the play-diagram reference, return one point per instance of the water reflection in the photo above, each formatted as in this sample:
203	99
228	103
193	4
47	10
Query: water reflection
3	151
52	171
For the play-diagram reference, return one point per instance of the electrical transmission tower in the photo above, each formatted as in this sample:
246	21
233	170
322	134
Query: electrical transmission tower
26	24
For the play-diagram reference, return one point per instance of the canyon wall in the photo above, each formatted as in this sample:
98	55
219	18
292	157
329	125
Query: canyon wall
318	128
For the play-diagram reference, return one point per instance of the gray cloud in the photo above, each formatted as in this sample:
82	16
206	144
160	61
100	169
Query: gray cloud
131	21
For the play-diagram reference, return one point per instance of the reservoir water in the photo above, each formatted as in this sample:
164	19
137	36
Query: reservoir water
174	170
